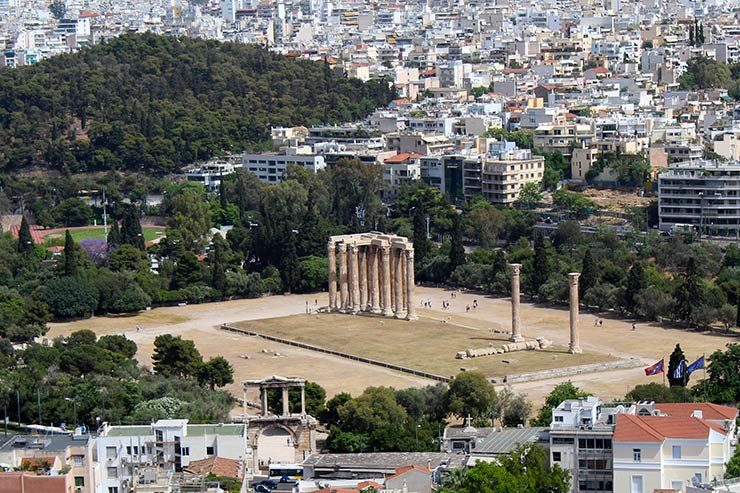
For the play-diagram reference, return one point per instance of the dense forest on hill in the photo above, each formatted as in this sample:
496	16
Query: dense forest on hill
148	102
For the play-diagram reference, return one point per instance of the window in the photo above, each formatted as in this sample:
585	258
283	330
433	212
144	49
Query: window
636	484
636	455
562	441
110	452
697	478
136	450
556	456
558	419
112	472
209	451
185	451
676	451
78	460
79	481
128	450
112	489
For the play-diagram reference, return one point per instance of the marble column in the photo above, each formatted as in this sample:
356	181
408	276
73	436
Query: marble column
574	347
263	399
374	276
286	402
516	331
355	278
385	251
410	281
343	280
398	283
404	270
363	278
303	400
331	252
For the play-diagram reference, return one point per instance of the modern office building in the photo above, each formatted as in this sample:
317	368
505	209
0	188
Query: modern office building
503	175
271	167
704	194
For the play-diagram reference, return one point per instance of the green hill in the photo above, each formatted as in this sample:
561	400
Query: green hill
153	103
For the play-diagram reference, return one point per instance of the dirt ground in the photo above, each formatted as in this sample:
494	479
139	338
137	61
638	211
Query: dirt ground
614	339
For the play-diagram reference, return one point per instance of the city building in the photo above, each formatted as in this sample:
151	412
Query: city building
271	167
211	173
701	193
504	174
161	449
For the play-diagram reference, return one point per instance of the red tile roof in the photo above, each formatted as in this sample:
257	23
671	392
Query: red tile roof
402	157
403	470
708	410
220	466
632	428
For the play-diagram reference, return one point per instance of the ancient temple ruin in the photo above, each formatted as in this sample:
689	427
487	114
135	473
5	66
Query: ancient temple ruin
376	275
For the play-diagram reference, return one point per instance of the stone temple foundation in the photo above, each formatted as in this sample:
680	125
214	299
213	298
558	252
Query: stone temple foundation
375	275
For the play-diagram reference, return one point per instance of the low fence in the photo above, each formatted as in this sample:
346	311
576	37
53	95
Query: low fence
354	357
570	371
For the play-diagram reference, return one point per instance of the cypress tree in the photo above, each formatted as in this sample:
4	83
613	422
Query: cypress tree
635	282
114	235
290	269
70	255
457	250
737	302
421	243
677	358
589	275
313	236
218	278
25	240
540	264
700	35
131	233
692	38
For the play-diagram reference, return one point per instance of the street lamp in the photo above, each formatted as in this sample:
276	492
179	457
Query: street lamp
74	405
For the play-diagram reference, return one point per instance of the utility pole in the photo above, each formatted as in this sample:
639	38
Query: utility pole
18	404
428	235
105	218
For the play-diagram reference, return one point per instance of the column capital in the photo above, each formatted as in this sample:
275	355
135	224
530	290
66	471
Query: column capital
342	247
515	269
385	249
573	277
409	254
353	248
331	245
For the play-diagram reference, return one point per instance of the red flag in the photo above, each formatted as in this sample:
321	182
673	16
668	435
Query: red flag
655	369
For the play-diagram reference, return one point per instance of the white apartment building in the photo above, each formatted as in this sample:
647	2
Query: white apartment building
211	173
169	444
399	170
271	167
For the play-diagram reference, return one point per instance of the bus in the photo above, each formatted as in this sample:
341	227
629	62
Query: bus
283	472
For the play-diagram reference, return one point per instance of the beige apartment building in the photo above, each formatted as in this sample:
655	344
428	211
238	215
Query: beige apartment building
673	451
502	178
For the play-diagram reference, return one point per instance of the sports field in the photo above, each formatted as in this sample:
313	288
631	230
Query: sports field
56	237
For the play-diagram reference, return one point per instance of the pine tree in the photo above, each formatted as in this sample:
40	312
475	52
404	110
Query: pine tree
25	240
635	283
589	276
218	271
114	235
313	235
689	293
457	250
421	243
677	358
70	255
131	233
222	193
541	265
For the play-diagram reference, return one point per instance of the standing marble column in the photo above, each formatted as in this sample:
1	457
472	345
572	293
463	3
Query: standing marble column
374	284
355	278
331	253
343	278
263	399
574	347
286	402
404	271
363	278
410	281
398	283
516	331
386	261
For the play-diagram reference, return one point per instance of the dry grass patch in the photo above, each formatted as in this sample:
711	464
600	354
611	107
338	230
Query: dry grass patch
114	324
423	344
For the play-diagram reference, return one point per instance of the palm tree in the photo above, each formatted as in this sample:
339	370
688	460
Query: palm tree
455	479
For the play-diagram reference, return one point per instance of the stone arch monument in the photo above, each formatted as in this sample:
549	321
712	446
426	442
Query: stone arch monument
287	437
376	275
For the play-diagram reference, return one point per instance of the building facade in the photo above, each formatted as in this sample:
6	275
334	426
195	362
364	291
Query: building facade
705	194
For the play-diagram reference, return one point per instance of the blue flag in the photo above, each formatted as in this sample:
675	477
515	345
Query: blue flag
680	370
696	365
